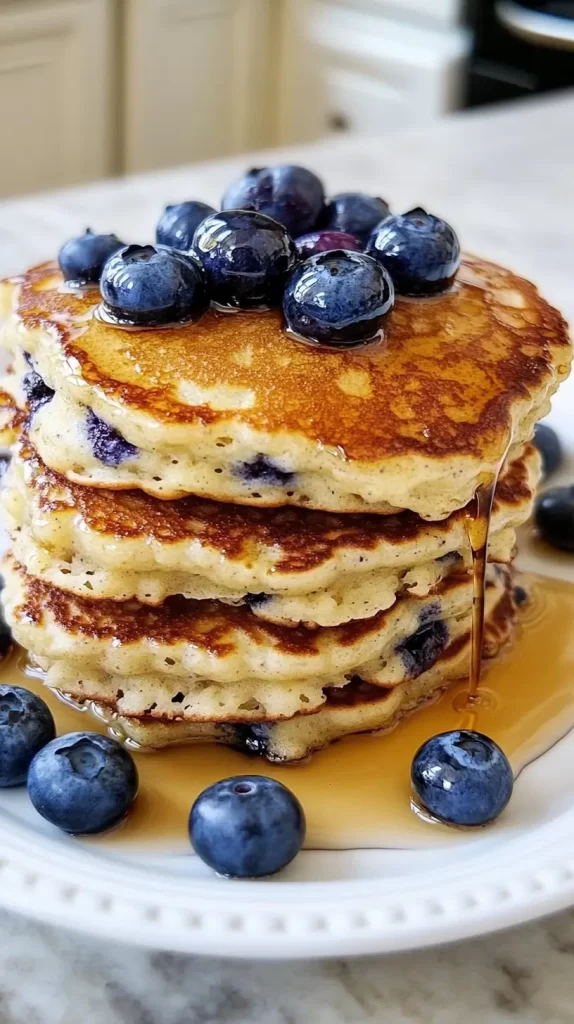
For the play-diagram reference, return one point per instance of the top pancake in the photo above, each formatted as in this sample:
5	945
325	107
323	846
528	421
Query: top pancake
413	422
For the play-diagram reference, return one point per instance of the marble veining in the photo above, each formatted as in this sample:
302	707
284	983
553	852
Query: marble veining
504	178
49	976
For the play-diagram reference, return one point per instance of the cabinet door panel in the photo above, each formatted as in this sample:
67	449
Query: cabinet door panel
359	102
372	72
197	79
54	82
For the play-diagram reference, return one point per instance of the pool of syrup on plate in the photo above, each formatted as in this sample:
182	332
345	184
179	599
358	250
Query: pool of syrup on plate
356	793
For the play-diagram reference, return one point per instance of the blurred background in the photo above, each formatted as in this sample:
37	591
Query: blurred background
93	88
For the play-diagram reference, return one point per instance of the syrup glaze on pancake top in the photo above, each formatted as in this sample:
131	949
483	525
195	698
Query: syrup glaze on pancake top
234	408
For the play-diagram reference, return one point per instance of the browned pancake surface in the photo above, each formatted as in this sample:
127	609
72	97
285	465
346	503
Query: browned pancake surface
302	538
208	625
444	381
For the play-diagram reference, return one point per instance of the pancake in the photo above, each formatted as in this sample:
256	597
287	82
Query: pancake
355	597
11	420
208	640
171	698
289	565
356	708
233	408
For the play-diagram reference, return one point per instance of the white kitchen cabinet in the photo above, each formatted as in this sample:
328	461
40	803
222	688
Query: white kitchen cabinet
426	13
379	65
56	70
198	79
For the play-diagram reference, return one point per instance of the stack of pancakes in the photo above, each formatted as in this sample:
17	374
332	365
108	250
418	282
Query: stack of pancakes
220	532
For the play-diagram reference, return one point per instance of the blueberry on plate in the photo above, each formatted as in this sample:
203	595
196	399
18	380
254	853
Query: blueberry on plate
548	444
82	259
292	195
462	777
421	252
152	285
324	241
246	256
554	517
247	826
83	782
26	725
338	298
354	212
177	224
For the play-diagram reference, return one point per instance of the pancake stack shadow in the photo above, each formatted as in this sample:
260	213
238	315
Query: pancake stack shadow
217	532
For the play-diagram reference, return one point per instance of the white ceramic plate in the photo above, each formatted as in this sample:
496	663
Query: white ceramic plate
326	903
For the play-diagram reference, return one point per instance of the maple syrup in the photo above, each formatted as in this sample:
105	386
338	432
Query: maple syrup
477	529
356	793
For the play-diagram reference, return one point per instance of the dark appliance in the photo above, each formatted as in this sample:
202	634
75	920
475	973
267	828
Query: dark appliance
519	48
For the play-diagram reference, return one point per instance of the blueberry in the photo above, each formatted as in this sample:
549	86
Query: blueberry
420	252
554	517
256	600
338	298
324	241
26	725
37	392
429	613
451	557
354	212
548	444
5	631
83	782
151	285
176	226
247	258
107	443
82	259
420	650
250	739
462	777
262	469
292	195
247	826
520	596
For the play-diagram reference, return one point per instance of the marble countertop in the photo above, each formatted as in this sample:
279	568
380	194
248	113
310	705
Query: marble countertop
504	177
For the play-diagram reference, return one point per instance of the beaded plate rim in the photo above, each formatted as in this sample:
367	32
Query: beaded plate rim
506	885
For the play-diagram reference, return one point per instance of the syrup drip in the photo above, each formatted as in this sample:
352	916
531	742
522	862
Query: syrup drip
356	793
477	529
